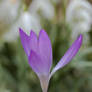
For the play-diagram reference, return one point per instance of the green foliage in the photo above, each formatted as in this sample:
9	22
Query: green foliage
17	76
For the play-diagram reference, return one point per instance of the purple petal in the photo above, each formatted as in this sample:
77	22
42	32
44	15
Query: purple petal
72	51
37	64
28	42
45	48
41	47
25	41
33	41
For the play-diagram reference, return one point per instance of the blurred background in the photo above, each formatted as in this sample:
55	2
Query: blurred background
63	20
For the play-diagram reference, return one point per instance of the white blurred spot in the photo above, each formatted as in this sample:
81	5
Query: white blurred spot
27	22
46	8
8	13
79	17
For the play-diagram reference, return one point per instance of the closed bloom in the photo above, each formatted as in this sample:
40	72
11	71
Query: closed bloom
39	53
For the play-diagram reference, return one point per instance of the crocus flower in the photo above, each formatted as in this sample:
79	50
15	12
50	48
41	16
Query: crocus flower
39	53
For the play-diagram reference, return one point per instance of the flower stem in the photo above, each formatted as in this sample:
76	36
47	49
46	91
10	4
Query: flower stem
44	83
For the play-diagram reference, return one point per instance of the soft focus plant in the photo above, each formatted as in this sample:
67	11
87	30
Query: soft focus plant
9	11
44	6
25	21
79	17
39	53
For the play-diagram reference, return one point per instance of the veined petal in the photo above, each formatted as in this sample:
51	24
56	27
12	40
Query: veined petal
72	51
28	42
45	48
36	63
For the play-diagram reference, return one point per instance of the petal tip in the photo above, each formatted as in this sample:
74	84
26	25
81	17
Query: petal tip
32	32
80	38
33	36
20	30
42	31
